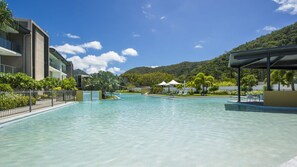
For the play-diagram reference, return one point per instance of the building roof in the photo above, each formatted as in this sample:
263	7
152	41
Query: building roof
280	58
59	56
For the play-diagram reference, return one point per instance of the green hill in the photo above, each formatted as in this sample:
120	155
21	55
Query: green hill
78	72
218	67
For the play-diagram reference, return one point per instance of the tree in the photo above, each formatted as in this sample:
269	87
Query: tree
191	84
69	84
6	18
104	81
249	81
204	81
277	77
50	83
289	79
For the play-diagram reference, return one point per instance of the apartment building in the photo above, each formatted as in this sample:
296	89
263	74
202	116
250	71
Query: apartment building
26	49
59	67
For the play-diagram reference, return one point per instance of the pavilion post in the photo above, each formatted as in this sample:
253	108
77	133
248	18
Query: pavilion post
238	85
268	73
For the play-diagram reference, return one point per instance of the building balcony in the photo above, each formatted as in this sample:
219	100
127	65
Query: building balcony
8	48
8	69
57	66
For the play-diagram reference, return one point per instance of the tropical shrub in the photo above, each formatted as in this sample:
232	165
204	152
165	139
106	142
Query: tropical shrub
19	81
226	83
5	88
213	88
156	90
258	92
220	92
204	81
10	101
248	82
69	84
50	83
57	88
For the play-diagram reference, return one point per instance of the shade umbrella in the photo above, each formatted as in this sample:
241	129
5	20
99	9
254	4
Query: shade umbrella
172	82
163	84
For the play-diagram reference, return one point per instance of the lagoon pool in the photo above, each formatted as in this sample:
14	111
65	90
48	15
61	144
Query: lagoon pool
141	131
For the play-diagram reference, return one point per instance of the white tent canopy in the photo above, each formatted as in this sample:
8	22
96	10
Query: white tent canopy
173	82
163	84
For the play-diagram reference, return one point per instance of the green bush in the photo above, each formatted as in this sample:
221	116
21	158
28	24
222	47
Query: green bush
5	88
156	90
10	101
221	92
226	83
259	92
242	93
214	88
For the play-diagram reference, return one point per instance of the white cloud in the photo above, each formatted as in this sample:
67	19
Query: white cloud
114	70
77	49
163	18
130	52
153	66
70	49
147	6
148	15
92	45
72	36
146	11
135	35
288	6
198	46
92	63
269	28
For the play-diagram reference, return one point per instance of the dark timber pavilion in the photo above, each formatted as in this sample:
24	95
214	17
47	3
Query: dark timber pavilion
281	58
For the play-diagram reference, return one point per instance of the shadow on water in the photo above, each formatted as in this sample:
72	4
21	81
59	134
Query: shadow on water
259	108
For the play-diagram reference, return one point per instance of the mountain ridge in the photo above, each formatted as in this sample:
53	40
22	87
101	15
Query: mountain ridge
218	66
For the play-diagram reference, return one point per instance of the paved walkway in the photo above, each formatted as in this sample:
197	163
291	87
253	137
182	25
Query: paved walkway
39	104
19	116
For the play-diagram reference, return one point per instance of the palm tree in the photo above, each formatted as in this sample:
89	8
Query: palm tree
191	84
6	18
205	81
104	81
249	81
277	78
289	79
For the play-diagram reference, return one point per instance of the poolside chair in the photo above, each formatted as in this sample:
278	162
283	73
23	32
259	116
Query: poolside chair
185	92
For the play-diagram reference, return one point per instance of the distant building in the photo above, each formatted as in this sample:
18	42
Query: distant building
59	67
26	49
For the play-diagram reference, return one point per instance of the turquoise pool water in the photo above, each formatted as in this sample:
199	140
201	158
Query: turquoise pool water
148	131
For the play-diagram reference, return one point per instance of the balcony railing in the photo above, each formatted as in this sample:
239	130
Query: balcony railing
8	69
57	66
54	65
9	45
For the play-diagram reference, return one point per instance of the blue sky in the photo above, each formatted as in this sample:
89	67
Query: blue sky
118	35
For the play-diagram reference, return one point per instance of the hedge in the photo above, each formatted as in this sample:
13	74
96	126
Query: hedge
10	101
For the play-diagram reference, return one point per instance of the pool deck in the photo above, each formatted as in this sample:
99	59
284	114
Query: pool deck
290	163
17	117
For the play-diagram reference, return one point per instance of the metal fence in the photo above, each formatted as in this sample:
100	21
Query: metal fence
17	102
